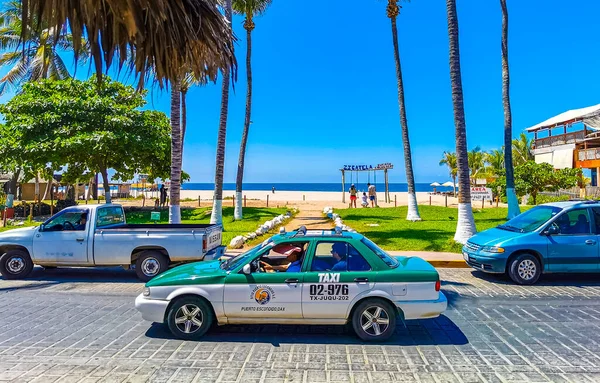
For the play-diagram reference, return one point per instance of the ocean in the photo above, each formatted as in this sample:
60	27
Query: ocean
312	187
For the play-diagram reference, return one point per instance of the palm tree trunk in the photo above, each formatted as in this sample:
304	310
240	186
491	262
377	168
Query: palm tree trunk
175	188
413	209
249	25
183	120
465	227
511	196
216	216
104	173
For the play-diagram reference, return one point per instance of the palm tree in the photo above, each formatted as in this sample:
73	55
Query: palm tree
176	154
160	39
216	216
511	196
477	164
38	58
249	8
495	160
393	10
521	148
465	227
449	159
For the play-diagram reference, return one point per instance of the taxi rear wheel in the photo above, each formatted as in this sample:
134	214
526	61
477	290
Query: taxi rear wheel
525	269
189	318
374	320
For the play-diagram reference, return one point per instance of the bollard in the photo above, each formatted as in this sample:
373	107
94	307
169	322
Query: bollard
395	202
198	200
430	200
483	203
267	200
446	200
244	200
497	200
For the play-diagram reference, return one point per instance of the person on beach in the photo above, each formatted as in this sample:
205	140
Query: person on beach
364	200
273	189
372	194
353	193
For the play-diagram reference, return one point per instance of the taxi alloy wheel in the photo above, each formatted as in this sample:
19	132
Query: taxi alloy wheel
525	269
15	264
189	318
374	320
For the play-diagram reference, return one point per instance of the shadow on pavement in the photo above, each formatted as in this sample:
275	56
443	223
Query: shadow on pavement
438	331
75	274
558	279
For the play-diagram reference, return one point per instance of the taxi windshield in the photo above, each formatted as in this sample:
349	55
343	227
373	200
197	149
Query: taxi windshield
531	219
238	260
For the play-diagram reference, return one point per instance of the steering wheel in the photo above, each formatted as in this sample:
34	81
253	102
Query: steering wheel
261	266
68	225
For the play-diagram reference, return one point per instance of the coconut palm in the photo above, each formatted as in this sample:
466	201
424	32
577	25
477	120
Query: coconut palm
159	39
393	10
511	196
477	164
521	148
176	154
465	227
495	161
449	159
216	216
248	8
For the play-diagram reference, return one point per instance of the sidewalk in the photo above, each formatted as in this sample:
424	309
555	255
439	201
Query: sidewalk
437	259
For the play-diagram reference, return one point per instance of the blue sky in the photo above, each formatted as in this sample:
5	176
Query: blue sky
325	91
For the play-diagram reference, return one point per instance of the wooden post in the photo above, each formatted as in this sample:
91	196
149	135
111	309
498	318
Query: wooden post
198	200
52	198
430	200
497	200
483	203
267	200
244	200
387	191
303	197
395	202
343	186
233	200
446	200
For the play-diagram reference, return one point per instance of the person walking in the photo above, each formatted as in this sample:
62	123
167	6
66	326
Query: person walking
163	195
372	194
353	193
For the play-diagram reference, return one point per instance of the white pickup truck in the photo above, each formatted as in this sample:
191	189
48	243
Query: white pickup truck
97	235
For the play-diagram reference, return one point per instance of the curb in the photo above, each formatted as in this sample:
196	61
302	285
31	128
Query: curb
458	264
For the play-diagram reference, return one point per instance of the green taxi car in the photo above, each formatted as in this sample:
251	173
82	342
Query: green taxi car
301	277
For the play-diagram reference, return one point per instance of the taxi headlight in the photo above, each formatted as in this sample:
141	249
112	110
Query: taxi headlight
146	292
492	249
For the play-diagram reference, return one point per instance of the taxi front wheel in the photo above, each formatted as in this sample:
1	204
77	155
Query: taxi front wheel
374	320
189	318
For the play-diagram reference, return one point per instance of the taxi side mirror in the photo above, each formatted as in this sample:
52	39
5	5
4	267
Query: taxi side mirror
246	269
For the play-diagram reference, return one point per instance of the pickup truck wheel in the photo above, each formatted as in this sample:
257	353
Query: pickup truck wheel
374	320
189	318
150	264
15	264
525	269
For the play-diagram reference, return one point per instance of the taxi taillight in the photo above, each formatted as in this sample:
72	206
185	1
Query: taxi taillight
438	285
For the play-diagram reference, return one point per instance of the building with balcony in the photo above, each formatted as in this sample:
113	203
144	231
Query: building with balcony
570	140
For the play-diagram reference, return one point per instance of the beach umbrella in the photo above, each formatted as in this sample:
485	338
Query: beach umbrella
435	184
448	184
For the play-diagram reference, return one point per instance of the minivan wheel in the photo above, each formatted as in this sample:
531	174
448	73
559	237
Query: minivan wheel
374	320
15	264
189	318
150	264
525	269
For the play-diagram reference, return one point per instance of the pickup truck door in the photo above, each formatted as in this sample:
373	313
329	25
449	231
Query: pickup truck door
63	239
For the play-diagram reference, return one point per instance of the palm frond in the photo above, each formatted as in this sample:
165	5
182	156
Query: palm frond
58	69
10	58
167	35
251	7
15	76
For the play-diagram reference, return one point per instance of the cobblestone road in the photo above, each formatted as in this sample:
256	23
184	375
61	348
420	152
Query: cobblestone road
72	325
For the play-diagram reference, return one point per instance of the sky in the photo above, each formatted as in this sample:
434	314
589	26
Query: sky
325	91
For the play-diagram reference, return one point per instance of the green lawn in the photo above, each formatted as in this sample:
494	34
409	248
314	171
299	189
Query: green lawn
25	224
253	216
434	233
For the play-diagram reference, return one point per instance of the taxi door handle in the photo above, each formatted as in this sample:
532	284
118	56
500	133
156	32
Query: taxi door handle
361	280
590	242
291	280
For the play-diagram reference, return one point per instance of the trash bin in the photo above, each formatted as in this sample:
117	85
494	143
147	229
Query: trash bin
9	212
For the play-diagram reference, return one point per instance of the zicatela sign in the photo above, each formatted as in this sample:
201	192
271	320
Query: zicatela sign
479	193
383	166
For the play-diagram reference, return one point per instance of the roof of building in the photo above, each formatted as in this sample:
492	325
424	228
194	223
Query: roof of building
589	116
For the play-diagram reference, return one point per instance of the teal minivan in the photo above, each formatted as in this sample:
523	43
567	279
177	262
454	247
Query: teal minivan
550	238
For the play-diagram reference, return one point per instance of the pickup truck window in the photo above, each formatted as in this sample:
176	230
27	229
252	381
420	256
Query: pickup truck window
110	215
68	221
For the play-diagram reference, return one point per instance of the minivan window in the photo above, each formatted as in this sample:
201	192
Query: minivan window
574	222
531	219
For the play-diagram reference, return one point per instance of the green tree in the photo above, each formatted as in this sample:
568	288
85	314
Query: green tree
495	160
465	226
477	164
248	8
393	10
88	128
532	178
449	159
521	148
